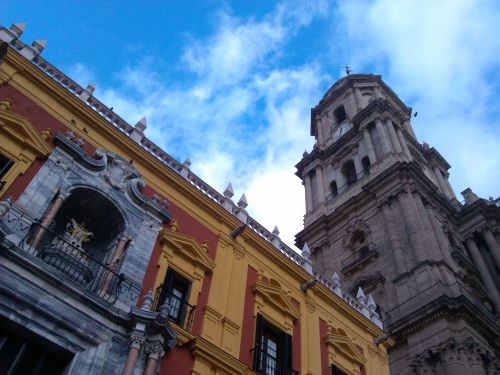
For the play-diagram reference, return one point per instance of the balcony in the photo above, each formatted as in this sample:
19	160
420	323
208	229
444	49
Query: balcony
359	259
266	364
71	262
179	311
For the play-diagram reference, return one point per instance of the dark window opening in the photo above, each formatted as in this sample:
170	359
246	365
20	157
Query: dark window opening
349	172
340	114
175	293
333	188
337	371
365	162
24	353
272	351
5	164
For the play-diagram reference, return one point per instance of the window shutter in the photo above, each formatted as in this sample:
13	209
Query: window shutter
287	350
259	324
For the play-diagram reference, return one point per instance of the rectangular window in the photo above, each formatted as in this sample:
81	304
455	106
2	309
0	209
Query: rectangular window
174	292
337	371
27	354
272	351
5	164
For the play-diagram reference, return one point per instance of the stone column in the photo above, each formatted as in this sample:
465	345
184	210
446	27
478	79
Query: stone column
392	135
493	245
49	217
394	240
154	350
320	130
369	145
441	238
307	185
484	273
133	353
115	261
320	184
402	140
382	136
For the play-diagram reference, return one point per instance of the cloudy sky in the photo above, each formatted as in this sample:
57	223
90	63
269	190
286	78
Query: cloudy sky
230	84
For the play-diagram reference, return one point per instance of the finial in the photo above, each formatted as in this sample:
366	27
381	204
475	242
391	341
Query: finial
147	302
361	295
242	203
141	124
306	253
276	231
39	45
371	302
187	163
228	192
336	278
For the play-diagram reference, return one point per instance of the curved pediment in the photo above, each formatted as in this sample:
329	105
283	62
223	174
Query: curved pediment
22	132
275	296
345	346
187	247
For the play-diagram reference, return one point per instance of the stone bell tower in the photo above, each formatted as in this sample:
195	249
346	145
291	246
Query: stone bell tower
381	213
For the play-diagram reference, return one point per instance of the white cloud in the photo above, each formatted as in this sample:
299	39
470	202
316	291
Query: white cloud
442	59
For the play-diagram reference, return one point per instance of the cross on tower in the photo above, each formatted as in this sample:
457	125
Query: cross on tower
348	69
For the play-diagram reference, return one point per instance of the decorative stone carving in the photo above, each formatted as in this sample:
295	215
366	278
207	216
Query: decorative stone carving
355	228
117	171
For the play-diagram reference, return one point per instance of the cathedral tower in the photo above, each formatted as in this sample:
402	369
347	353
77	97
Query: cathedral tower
381	212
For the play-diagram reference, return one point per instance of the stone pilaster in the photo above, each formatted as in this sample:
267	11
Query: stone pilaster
394	240
320	184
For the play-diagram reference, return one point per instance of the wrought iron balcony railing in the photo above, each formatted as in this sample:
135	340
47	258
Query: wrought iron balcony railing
179	311
266	364
74	263
359	258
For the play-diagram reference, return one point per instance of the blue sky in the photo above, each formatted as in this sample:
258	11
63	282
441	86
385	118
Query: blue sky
230	84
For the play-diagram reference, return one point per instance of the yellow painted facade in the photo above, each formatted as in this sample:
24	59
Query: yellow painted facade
323	323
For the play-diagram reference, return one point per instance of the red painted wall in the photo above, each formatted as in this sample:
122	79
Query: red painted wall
177	362
248	324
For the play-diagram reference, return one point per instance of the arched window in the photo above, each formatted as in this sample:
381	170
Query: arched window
349	172
365	162
340	114
333	188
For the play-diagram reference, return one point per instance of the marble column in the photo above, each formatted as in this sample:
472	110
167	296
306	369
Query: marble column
392	135
493	245
133	353
307	183
369	145
404	145
115	261
484	273
155	352
382	136
49	217
320	184
394	240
